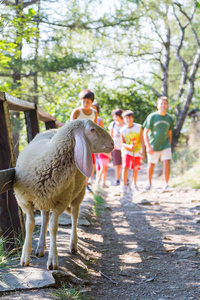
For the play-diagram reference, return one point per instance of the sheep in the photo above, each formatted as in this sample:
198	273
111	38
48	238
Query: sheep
50	174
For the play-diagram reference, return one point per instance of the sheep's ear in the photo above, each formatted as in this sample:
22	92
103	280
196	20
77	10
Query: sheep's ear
82	154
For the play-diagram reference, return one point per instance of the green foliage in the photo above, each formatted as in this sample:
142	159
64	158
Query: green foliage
24	25
186	162
68	293
197	3
3	258
57	63
17	27
59	94
8	258
141	102
98	204
6	50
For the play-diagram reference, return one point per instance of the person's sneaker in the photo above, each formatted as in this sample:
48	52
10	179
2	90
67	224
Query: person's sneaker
134	188
98	181
117	183
89	189
105	185
168	188
124	189
148	187
90	181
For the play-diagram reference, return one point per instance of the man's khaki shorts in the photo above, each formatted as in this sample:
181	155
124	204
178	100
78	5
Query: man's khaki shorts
165	154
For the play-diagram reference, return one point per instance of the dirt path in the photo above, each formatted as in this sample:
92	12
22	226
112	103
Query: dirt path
144	246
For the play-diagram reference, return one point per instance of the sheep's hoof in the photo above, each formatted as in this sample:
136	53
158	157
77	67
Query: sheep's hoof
52	263
73	250
24	263
39	253
52	267
40	250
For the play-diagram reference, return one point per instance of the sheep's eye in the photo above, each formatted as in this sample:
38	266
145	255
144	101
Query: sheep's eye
92	129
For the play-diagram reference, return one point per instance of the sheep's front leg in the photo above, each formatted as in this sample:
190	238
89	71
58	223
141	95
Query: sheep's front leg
30	224
73	247
43	232
52	262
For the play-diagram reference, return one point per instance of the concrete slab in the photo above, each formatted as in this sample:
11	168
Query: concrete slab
26	278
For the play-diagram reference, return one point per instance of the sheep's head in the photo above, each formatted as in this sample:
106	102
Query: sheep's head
90	138
98	138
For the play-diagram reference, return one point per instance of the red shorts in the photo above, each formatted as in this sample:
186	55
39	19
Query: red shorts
93	158
131	162
103	159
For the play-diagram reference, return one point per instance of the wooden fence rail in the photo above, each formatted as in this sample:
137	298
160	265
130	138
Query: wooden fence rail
11	216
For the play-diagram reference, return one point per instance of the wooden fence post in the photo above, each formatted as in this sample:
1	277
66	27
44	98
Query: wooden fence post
50	125
32	124
11	216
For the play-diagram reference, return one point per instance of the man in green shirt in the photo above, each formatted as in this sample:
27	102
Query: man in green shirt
158	128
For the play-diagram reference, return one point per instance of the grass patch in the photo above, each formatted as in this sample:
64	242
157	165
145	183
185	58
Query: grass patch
185	167
98	204
3	257
68	293
10	257
189	178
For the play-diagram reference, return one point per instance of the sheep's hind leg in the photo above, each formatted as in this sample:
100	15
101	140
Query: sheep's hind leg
43	232
30	224
52	262
73	247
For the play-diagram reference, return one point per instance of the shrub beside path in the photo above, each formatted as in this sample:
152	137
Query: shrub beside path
144	245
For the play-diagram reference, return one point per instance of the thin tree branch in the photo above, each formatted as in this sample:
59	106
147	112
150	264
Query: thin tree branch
184	65
144	84
88	25
5	75
189	20
156	75
28	3
25	4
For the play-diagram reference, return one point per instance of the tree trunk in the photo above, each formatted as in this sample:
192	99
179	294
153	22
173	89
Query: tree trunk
188	100
165	65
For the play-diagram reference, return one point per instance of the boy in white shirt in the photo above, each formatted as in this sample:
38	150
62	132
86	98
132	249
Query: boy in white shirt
115	128
133	148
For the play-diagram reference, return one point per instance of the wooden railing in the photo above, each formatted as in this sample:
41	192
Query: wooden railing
11	216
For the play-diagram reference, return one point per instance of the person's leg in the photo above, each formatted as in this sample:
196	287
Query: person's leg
166	164
136	168
117	172
93	170
135	175
125	168
150	170
117	161
166	159
125	175
152	161
97	164
100	172
97	172
105	169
